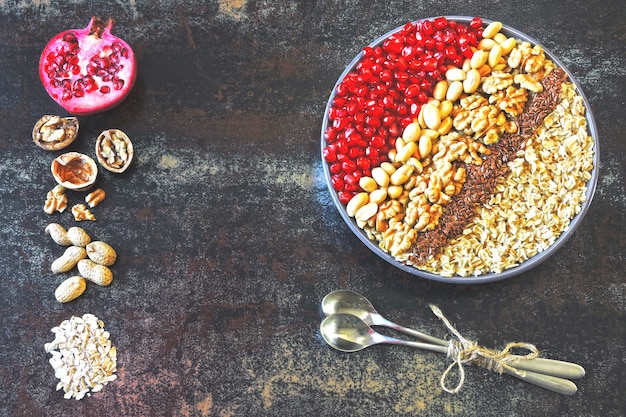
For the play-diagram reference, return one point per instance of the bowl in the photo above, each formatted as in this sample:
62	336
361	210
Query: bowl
484	277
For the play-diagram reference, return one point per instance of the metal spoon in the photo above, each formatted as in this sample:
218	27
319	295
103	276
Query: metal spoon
353	303
348	333
350	302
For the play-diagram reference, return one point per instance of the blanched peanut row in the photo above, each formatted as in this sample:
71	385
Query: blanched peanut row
406	195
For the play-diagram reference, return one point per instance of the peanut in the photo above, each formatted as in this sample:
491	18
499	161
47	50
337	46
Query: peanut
432	118
508	45
352	207
70	289
439	92
69	259
486	44
380	176
445	126
401	175
455	74
368	184
454	91
406	152
378	196
102	253
411	132
499	37
445	108
73	236
472	81
425	146
494	55
479	58
366	212
98	274
394	191
491	30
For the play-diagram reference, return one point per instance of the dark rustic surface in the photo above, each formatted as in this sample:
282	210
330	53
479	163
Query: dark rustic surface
228	238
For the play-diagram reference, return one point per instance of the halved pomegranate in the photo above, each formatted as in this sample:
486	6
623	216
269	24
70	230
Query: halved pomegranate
88	70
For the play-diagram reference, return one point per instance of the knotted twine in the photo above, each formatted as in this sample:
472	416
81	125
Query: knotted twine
464	351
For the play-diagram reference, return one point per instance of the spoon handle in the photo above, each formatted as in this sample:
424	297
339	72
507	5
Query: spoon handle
550	367
539	365
552	383
419	345
549	382
379	320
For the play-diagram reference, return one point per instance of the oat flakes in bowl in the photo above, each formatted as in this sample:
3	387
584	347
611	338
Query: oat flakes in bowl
459	150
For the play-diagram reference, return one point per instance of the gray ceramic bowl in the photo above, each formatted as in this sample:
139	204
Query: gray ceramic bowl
487	277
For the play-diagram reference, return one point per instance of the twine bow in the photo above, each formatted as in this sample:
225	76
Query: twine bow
467	351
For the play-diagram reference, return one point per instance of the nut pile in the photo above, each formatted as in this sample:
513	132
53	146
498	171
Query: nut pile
57	201
92	258
477	104
83	357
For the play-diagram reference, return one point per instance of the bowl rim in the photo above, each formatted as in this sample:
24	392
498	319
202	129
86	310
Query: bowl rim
526	265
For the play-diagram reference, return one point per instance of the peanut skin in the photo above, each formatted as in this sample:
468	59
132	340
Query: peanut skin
101	253
70	289
73	236
98	274
69	259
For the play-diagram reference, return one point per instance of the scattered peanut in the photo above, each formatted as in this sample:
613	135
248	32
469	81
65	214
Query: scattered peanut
96	273
73	236
102	253
69	259
70	289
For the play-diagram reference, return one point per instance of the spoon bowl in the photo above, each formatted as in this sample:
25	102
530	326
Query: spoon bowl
349	333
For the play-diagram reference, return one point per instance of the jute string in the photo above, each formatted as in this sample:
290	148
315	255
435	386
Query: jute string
464	351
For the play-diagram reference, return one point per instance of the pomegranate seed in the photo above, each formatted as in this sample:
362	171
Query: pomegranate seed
441	22
355	152
330	154
476	23
345	197
337	182
428	27
363	163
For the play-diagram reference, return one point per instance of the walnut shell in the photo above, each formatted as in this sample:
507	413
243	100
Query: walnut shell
114	150
55	132
74	171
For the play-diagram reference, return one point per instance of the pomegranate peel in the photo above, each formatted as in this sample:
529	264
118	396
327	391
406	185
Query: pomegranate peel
88	70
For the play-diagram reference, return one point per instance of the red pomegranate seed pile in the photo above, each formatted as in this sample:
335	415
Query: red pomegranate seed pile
384	93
